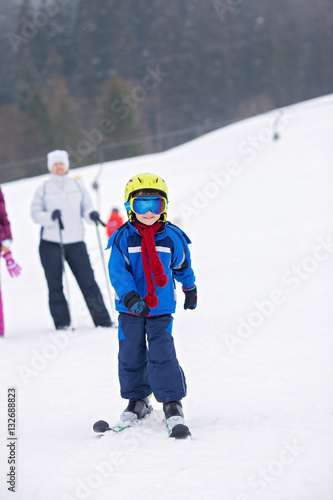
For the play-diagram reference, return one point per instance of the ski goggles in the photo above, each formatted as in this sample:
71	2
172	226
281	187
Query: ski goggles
142	204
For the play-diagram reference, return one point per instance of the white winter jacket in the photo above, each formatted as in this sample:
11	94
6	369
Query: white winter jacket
71	198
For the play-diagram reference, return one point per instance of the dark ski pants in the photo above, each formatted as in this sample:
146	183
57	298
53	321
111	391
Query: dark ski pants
152	368
78	260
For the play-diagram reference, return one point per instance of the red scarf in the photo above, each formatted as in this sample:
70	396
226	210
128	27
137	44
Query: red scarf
151	262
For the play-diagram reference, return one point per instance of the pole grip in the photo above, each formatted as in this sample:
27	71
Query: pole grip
61	226
101	222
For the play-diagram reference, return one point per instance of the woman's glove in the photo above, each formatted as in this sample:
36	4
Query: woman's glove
13	268
191	298
94	216
56	214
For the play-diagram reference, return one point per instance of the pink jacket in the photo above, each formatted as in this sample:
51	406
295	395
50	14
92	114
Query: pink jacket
5	232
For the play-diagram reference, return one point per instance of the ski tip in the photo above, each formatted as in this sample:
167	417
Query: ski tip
101	426
180	431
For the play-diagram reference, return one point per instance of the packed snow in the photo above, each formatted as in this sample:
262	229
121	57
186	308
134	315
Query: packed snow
257	351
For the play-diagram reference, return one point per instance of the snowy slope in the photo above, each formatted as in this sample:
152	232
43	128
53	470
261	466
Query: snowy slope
257	352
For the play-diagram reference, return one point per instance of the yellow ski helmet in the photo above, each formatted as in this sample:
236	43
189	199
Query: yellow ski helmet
146	182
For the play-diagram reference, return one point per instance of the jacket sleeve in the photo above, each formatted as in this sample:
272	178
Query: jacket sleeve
86	205
120	271
181	261
38	211
5	232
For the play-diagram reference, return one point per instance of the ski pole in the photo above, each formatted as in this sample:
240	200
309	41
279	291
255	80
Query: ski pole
95	184
105	273
63	258
101	222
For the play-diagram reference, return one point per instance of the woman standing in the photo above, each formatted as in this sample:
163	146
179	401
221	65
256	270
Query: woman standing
59	206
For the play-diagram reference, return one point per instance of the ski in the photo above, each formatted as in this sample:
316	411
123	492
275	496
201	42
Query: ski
131	420
175	426
101	426
177	430
180	431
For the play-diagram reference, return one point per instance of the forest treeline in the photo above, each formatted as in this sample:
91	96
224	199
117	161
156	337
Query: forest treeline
110	79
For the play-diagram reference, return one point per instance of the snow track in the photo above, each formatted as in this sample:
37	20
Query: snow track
257	352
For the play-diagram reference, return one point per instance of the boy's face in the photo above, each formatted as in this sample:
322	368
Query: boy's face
149	218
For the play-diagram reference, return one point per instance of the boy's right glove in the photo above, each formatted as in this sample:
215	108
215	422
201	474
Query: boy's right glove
191	298
135	304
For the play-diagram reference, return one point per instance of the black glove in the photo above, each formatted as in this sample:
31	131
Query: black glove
191	298
56	214
94	216
135	304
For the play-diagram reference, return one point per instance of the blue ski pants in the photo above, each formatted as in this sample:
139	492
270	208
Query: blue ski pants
147	359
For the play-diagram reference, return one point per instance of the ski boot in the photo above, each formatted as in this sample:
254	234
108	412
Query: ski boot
174	419
136	409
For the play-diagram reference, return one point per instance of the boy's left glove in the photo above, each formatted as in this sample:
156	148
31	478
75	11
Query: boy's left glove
135	304
191	298
13	268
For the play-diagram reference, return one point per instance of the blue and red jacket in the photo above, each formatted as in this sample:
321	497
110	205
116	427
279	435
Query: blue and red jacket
126	268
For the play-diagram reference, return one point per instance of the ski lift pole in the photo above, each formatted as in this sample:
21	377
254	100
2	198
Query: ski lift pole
276	132
113	314
63	259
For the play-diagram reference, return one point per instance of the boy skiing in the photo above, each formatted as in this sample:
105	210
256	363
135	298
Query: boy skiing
147	254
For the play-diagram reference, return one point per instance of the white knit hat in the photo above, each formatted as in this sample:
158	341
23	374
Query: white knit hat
57	156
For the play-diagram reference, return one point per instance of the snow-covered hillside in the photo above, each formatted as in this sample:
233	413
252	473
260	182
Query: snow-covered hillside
257	351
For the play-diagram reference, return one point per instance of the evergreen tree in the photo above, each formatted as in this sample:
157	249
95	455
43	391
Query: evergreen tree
61	108
117	120
8	68
30	99
220	60
19	139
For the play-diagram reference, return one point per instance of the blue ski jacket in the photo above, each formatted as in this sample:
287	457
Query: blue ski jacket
126	268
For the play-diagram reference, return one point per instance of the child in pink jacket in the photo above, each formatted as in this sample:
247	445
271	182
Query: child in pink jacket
5	240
